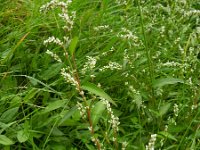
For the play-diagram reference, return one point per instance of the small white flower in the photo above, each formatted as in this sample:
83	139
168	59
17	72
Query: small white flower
69	78
82	110
124	145
112	66
89	65
54	56
176	110
103	27
52	39
114	121
151	143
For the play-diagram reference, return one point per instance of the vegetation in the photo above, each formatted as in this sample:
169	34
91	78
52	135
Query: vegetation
99	74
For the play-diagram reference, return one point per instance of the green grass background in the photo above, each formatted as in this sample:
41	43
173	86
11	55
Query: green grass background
37	107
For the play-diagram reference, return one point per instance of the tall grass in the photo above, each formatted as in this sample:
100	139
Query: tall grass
124	75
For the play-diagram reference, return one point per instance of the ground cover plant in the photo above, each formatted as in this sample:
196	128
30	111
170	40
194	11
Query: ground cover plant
99	74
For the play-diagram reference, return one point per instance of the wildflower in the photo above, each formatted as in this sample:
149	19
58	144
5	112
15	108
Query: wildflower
81	93
99	85
171	64
82	110
103	27
90	64
124	145
192	12
193	107
107	52
114	120
126	56
127	34
171	121
52	39
53	4
90	129
54	56
65	15
113	139
159	91
166	128
177	40
151	143
121	2
162	30
176	110
69	20
112	66
68	77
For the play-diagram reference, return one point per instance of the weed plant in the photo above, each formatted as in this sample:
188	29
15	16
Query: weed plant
99	74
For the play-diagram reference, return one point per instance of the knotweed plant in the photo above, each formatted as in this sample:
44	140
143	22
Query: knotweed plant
108	74
70	73
151	143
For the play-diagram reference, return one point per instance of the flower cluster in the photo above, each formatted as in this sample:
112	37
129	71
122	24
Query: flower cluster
121	2
162	30
176	110
192	12
114	120
69	78
112	66
171	121
69	20
82	110
52	39
54	56
127	35
107	52
65	15
171	64
103	27
151	143
53	4
90	64
124	145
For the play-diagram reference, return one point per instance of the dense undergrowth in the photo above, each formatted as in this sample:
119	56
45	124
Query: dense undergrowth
111	75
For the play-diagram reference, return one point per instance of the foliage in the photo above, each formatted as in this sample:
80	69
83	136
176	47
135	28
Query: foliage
135	60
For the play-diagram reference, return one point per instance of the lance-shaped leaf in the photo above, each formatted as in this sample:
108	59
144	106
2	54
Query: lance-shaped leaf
4	140
73	44
97	91
165	81
97	112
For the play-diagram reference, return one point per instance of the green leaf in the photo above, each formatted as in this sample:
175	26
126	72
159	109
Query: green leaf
31	93
73	44
163	109
8	83
57	132
138	100
32	79
68	115
52	71
22	136
54	105
167	135
98	91
9	115
58	146
4	140
4	126
165	81
97	112
11	52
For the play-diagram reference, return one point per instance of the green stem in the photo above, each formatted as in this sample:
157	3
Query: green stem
148	52
76	76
